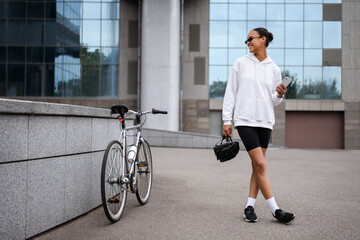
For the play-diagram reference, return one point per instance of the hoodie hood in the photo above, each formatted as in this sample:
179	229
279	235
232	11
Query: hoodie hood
252	57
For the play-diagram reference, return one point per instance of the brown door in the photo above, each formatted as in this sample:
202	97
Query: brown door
324	130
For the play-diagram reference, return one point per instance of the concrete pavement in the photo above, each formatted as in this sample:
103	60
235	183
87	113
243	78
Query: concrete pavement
196	197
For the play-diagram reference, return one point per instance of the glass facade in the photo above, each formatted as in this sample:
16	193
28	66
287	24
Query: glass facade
59	48
300	38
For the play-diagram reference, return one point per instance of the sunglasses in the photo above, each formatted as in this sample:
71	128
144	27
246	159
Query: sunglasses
250	39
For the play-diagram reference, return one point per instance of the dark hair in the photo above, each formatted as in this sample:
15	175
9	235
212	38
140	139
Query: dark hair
264	32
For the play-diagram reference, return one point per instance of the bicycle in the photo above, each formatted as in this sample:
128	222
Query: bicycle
126	170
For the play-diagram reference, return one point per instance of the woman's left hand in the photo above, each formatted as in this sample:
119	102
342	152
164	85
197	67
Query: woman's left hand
281	90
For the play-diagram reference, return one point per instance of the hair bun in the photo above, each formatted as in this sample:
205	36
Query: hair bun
270	36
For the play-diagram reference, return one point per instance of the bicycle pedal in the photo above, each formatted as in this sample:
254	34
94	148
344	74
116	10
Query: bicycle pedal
113	200
143	164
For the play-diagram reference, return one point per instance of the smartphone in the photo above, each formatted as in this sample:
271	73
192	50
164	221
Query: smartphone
286	81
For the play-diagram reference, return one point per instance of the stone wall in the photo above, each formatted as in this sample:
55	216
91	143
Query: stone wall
352	125
50	162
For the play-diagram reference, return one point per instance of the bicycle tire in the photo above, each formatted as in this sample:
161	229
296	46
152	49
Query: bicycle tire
113	194
144	168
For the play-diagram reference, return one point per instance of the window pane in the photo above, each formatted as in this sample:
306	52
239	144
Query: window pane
2	80
294	34
16	54
313	82
294	1
218	33
256	12
235	53
277	55
293	57
35	9
17	9
313	34
332	35
218	56
314	12
277	29
254	24
295	89
313	1
109	80
53	33
58	81
54	8
109	55
3	34
91	33
237	34
90	56
3	9
16	29
35	54
218	11
218	79
294	12
53	55
48	87
16	75
275	12
72	10
35	33
2	54
110	11
91	10
332	1
90	80
71	80
332	82
110	33
275	1
72	55
313	57
237	11
72	32
34	73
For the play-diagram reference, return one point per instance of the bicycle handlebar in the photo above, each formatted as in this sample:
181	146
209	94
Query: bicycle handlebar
155	111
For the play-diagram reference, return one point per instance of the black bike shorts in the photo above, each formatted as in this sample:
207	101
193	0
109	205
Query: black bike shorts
254	137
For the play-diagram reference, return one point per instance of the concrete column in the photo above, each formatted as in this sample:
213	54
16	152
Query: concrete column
160	62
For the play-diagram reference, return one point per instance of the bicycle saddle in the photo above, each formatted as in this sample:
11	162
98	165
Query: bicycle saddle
120	109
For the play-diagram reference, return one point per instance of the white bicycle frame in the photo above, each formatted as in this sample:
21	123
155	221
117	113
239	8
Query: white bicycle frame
123	140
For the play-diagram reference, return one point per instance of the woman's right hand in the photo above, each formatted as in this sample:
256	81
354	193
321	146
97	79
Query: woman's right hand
227	130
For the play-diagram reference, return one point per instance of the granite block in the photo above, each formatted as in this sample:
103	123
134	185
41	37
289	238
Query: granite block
185	141
13	137
95	179
46	136
113	130
45	195
78	135
156	141
99	130
13	200
77	185
199	142
155	133
171	141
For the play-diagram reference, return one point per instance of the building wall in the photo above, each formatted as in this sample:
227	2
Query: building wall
195	85
351	72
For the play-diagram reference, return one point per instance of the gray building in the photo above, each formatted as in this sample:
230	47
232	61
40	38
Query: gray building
176	55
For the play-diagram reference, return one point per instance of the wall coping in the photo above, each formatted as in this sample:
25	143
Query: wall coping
11	106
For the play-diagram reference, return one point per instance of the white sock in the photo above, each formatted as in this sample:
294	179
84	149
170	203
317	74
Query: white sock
272	204
250	202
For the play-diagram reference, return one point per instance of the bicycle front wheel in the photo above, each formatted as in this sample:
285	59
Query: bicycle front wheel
113	189
144	172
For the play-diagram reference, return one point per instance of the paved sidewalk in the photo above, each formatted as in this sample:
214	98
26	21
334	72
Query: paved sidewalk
196	197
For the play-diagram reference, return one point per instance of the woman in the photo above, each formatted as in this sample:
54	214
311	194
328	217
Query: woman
253	89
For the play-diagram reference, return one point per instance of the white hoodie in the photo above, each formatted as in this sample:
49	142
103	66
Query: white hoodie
250	94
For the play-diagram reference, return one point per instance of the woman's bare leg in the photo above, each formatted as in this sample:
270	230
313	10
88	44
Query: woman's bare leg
254	187
259	178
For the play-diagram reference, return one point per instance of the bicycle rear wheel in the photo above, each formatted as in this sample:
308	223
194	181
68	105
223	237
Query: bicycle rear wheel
113	190
144	172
